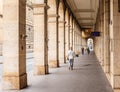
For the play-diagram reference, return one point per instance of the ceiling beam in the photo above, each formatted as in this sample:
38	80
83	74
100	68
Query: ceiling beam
84	10
87	18
86	24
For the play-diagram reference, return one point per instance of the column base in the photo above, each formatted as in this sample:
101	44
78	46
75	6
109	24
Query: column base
106	68
108	76
14	82
53	63
41	70
117	90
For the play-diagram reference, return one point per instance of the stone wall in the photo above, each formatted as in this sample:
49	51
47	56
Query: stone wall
29	26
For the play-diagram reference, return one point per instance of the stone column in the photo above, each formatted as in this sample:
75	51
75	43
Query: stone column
66	33
77	40
1	33
73	35
80	41
1	17
53	40
53	47
66	39
102	31
71	30
40	38
61	33
14	46
115	45
106	38
61	41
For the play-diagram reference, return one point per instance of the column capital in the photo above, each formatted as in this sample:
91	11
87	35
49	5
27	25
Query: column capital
40	8
41	5
53	15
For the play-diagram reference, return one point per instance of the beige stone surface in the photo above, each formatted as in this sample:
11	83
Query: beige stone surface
61	42
116	90
1	35
52	42
40	70
116	81
52	5
40	39
53	63
53	45
14	82
14	49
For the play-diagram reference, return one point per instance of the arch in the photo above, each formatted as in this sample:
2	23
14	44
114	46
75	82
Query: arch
52	4
66	16
61	11
90	44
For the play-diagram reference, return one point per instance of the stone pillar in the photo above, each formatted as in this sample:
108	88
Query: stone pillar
64	37
53	47
61	33
106	38
66	33
61	41
1	34
14	46
102	32
74	40
73	35
115	45
71	30
40	38
79	42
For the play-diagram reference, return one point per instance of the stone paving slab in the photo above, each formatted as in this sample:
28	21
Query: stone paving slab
87	76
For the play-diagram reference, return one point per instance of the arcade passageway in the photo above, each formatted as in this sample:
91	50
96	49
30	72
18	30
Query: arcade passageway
87	76
47	29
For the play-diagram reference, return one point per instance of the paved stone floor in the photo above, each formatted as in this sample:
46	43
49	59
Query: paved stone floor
87	76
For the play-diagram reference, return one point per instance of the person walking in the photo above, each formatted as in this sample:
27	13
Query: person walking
71	56
88	51
82	50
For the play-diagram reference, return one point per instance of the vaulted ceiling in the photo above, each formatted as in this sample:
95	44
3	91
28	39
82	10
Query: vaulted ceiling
85	11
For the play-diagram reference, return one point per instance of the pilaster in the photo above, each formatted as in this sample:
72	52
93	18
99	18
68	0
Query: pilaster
14	44
1	33
53	49
40	39
61	41
114	46
106	38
